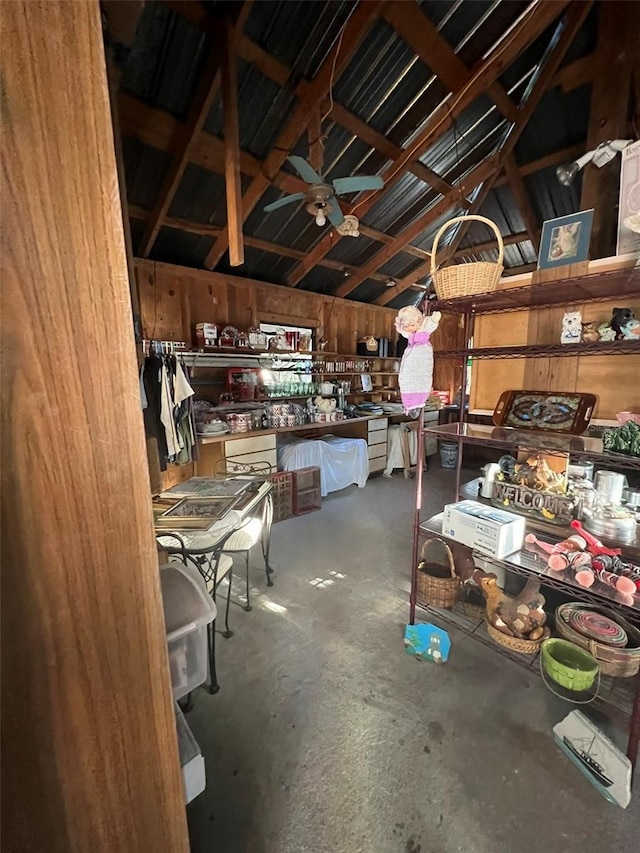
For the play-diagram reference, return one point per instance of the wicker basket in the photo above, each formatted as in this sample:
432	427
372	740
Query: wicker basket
619	663
466	279
515	644
437	584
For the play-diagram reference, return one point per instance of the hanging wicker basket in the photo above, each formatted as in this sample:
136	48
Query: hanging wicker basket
437	583
466	279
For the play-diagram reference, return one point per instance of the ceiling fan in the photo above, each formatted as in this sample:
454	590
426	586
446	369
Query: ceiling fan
321	196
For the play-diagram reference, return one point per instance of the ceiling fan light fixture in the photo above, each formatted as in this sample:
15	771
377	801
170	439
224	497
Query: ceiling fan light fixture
390	282
603	154
321	219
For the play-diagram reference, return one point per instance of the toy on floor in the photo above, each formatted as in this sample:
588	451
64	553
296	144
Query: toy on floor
416	369
519	616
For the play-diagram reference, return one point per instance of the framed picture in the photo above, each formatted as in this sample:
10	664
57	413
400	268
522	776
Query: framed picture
629	207
367	384
565	240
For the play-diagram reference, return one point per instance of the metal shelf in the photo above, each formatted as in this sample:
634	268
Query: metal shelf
529	564
510	438
616	695
596	287
546	350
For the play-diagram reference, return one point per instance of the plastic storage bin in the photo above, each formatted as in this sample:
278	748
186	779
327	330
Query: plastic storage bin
188	609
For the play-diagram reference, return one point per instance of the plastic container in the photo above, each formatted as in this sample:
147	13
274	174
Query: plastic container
448	454
568	665
188	609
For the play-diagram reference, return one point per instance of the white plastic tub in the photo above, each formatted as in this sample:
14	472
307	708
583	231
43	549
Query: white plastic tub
188	609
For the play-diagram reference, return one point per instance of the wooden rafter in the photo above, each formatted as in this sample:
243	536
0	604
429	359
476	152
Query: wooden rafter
316	149
189	132
214	231
441	120
354	31
426	42
522	200
381	143
616	59
561	40
226	45
478	175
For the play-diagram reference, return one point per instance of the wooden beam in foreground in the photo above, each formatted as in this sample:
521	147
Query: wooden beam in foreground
226	43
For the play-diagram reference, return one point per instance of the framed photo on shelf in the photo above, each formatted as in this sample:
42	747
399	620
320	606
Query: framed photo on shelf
565	240
367	384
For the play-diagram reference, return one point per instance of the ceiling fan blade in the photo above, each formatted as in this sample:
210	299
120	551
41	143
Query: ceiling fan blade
335	215
357	184
288	199
304	170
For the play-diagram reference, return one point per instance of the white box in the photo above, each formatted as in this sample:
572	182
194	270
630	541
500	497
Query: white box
490	530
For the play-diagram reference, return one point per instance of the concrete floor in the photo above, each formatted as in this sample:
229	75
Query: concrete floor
326	737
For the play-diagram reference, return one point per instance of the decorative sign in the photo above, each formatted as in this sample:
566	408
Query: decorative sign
427	642
556	508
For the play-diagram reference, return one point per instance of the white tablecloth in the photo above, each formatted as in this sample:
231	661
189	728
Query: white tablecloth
342	461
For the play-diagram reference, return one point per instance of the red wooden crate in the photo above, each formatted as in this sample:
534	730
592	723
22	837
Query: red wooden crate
306	478
308	500
282	495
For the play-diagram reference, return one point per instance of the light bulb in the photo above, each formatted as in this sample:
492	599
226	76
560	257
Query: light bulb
566	174
321	219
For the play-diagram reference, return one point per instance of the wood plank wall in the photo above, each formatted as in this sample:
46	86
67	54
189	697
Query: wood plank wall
173	299
614	379
89	746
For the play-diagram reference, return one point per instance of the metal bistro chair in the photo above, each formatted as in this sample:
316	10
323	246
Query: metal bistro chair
255	529
204	550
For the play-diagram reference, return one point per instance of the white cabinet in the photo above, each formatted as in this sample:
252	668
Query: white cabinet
377	430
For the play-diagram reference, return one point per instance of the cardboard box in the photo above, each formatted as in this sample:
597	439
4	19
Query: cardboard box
490	530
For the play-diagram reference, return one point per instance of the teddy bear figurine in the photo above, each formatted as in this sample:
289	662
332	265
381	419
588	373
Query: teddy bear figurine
416	369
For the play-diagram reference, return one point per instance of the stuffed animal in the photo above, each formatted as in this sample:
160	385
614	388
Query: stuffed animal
416	369
590	332
620	317
571	328
631	330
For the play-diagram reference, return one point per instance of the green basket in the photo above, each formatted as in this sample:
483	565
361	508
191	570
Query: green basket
568	664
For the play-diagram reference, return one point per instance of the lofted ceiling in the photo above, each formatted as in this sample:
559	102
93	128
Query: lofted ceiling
461	106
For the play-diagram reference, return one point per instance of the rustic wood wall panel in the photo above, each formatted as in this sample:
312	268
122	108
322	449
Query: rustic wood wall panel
612	378
89	748
173	299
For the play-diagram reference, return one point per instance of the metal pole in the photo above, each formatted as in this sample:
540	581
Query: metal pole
416	517
469	321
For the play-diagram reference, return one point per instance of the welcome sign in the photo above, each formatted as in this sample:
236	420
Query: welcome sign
556	508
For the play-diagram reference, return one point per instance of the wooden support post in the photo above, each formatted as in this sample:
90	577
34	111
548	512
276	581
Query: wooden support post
228	66
89	748
616	55
316	148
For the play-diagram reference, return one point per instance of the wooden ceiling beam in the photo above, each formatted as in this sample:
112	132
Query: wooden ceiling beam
189	131
437	54
522	200
352	35
615	60
478	175
563	35
560	42
226	44
214	231
441	120
381	143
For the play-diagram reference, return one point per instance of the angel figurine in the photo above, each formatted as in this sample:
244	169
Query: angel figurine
416	369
